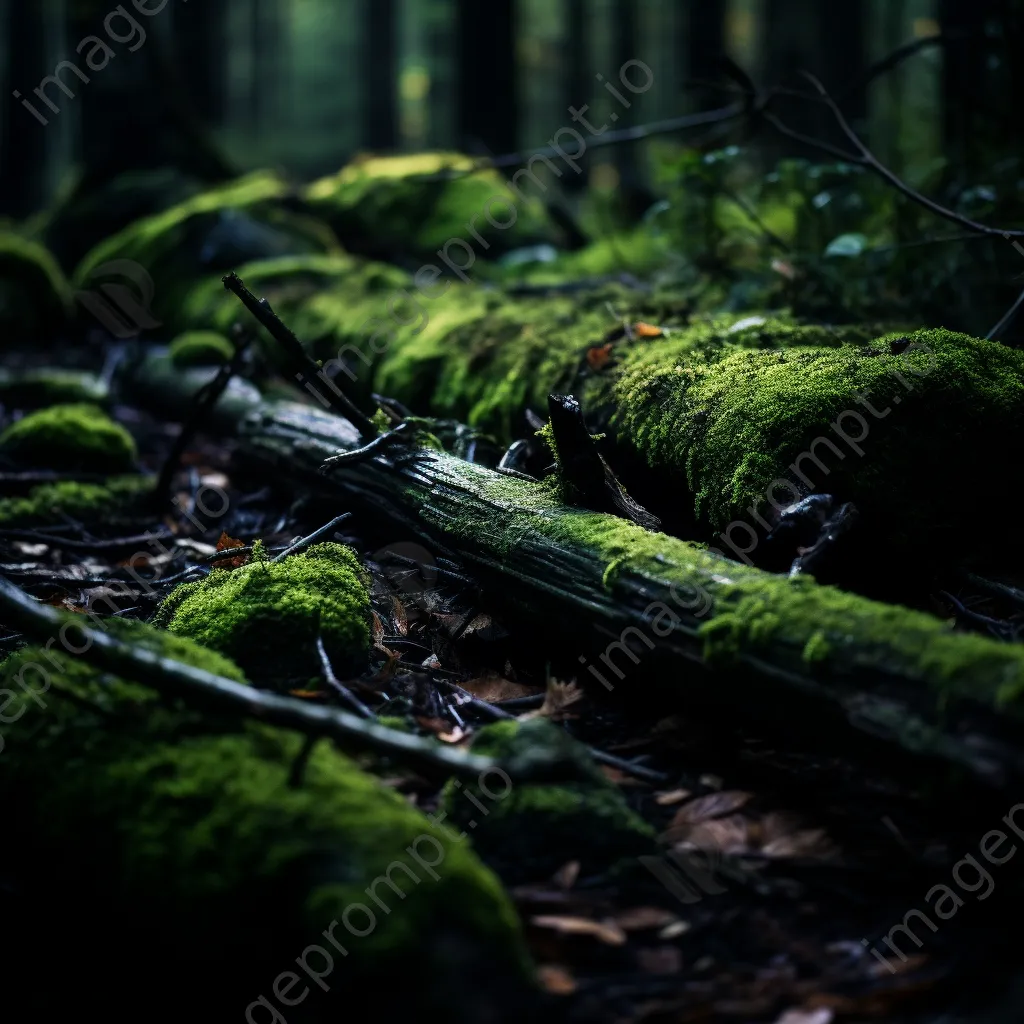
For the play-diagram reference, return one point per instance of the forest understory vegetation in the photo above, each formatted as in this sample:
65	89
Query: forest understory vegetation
620	625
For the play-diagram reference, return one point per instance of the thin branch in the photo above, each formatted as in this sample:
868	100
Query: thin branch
308	369
343	691
167	676
305	542
205	399
993	335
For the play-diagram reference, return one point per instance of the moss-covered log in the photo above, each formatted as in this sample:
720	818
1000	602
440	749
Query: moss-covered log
209	865
716	424
723	634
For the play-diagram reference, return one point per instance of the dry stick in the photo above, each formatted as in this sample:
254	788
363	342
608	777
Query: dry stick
305	542
993	335
167	676
85	545
206	398
332	680
309	370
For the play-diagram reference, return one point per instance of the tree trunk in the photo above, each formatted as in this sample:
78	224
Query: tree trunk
380	70
23	135
488	102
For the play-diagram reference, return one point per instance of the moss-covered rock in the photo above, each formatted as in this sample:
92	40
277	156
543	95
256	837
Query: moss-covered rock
526	831
72	437
212	232
35	389
267	615
416	203
118	499
35	297
213	867
201	348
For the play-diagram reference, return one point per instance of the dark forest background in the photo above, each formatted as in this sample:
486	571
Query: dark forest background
305	84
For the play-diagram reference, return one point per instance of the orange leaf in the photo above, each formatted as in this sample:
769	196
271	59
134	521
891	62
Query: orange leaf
642	330
226	543
555	980
599	356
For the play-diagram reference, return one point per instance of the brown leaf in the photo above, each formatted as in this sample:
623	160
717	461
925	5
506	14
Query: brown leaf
493	687
401	619
599	356
642	919
556	980
724	835
642	330
306	694
226	543
713	805
605	931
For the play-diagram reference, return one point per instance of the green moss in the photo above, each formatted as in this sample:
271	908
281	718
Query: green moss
190	830
117	500
201	348
419	202
733	420
215	231
38	388
267	615
817	649
71	437
528	830
35	297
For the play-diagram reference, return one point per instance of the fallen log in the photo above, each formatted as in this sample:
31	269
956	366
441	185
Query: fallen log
788	653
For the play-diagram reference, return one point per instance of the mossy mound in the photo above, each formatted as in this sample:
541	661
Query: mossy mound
36	389
214	231
904	426
267	615
417	203
35	297
117	500
212	868
529	830
201	348
70	437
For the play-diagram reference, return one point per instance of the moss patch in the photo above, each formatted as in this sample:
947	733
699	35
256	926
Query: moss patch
117	500
39	388
201	348
531	829
267	615
35	297
189	831
70	437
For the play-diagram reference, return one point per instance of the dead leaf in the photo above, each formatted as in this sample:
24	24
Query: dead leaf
401	619
642	919
556	980
306	694
226	543
565	877
605	931
721	835
673	796
599	356
493	688
821	1016
713	805
642	330
557	699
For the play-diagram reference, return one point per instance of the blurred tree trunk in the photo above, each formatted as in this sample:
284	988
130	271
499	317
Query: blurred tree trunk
380	71
579	80
23	137
488	107
842	30
963	79
269	47
201	47
704	44
625	50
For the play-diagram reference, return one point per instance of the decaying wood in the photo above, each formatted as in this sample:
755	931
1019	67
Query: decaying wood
531	552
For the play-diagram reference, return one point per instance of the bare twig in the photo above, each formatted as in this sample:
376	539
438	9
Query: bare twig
205	399
370	450
308	369
332	680
305	542
993	335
